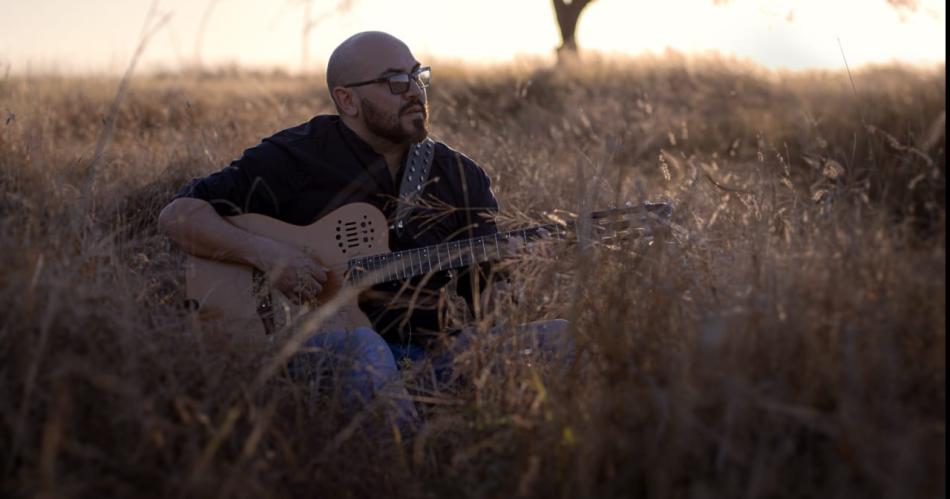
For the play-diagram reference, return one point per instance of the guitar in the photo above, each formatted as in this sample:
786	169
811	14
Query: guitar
352	242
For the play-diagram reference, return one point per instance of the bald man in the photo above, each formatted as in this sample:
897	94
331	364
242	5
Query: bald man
302	173
360	155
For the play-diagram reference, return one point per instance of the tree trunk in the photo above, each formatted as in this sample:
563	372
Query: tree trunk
568	12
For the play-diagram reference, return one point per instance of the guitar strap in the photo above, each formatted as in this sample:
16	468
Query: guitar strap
414	176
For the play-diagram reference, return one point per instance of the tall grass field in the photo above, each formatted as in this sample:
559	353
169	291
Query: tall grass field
785	336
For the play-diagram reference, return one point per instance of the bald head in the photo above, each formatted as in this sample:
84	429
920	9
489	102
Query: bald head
364	56
357	74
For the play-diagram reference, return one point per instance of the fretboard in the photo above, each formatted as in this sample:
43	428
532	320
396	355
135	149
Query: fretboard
398	265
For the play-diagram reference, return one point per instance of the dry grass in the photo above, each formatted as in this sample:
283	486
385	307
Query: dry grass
787	339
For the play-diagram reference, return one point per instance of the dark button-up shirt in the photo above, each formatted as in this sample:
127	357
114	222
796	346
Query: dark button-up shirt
302	173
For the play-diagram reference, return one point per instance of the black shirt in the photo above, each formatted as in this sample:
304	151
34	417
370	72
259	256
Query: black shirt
302	173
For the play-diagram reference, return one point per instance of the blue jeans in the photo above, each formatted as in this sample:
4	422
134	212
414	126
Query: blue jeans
549	338
362	360
367	364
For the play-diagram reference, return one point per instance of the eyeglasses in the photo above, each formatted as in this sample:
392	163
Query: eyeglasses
399	83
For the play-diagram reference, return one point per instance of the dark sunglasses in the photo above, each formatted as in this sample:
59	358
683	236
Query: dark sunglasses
399	83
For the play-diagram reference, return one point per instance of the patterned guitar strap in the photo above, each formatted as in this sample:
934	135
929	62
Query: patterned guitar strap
415	175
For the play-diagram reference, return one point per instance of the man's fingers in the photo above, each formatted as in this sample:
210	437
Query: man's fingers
306	289
319	273
315	288
309	284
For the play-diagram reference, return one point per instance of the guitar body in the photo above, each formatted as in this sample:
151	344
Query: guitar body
237	300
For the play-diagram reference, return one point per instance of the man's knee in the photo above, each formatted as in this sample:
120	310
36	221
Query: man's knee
357	348
369	343
356	340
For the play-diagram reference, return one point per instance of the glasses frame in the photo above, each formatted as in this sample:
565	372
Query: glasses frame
413	77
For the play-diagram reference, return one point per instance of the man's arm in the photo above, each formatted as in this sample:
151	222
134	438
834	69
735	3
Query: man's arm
195	226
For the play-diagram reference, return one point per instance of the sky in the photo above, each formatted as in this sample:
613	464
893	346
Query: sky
100	36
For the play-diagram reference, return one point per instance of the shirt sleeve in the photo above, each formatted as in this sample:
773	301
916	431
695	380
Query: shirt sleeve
257	182
479	203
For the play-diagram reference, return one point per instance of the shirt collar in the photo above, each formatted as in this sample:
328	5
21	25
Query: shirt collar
372	161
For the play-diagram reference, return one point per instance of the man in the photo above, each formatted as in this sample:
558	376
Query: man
300	174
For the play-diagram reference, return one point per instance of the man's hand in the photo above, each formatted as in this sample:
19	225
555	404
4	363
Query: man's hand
294	273
198	229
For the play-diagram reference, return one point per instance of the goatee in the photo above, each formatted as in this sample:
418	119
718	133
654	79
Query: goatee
390	126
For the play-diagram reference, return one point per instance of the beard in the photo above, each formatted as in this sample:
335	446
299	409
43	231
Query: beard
389	126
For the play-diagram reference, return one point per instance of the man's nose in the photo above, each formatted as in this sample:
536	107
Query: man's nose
415	90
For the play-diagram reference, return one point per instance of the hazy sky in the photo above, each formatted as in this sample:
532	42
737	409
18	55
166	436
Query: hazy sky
101	35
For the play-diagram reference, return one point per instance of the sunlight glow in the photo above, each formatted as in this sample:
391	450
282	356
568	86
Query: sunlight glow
100	35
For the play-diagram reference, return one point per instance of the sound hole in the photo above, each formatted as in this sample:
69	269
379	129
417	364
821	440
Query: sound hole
351	235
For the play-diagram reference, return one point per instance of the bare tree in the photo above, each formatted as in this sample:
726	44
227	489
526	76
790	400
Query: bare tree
568	12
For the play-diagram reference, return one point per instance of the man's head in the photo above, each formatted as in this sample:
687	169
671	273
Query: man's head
356	74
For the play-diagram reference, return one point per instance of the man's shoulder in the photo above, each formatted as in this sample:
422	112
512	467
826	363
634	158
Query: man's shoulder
304	133
449	157
288	148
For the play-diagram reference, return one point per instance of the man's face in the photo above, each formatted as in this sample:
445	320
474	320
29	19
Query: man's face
401	122
398	118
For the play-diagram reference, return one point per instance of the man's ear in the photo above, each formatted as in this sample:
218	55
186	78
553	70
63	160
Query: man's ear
345	100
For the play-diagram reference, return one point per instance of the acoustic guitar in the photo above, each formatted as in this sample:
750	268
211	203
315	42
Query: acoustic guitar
353	243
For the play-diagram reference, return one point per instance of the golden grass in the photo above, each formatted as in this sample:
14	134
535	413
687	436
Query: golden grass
786	340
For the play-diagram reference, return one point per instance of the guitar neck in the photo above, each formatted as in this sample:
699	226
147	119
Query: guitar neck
398	265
